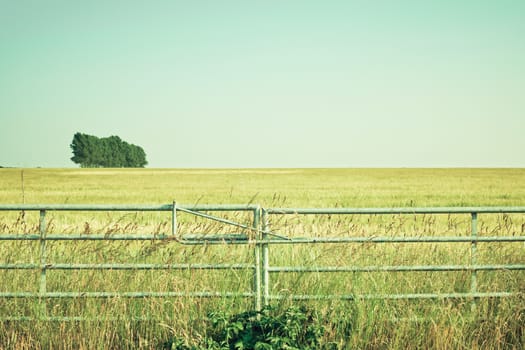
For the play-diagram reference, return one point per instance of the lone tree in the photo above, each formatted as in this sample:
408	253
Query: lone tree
107	152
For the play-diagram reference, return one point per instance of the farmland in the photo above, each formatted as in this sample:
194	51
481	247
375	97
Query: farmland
494	323
268	187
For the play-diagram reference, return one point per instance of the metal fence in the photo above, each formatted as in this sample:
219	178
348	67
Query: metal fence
259	237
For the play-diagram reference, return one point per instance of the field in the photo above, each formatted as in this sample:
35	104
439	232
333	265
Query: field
268	187
375	324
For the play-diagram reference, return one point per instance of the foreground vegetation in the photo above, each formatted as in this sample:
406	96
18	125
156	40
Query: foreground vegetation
187	323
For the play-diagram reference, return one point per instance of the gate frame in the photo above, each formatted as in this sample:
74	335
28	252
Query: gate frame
261	239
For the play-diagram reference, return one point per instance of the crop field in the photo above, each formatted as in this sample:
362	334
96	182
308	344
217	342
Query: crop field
179	322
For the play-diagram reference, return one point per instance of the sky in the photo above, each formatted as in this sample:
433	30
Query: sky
274	83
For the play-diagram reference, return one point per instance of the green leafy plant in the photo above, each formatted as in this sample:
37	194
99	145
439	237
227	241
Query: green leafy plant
268	329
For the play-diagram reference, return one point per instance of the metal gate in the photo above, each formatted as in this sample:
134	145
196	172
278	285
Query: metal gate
262	240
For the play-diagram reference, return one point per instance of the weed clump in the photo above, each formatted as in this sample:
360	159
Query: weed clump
293	328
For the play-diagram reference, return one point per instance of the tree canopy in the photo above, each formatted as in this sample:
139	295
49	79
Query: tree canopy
107	152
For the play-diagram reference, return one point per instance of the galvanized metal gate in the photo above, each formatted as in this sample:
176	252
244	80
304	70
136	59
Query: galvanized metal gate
259	237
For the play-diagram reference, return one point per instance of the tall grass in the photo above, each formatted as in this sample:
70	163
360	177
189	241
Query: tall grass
372	324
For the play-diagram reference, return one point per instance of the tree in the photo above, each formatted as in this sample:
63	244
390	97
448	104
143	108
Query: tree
107	152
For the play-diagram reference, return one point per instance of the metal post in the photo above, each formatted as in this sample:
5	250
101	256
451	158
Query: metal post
265	260
257	251
43	258
174	219
473	257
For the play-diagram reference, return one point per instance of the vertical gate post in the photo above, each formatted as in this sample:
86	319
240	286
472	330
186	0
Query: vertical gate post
257	257
174	219
473	258
265	259
43	258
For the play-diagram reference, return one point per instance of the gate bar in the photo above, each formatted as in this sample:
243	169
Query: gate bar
404	210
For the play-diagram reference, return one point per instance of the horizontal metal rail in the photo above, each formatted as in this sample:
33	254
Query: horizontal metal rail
61	295
127	266
57	295
227	238
204	239
405	239
86	237
353	297
396	268
405	210
116	207
93	319
400	268
241	207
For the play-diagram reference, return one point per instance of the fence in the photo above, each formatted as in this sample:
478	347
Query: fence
260	237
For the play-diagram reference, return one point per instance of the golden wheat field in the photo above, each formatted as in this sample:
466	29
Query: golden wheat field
268	187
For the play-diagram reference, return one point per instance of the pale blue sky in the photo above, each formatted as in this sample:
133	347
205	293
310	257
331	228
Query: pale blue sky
266	83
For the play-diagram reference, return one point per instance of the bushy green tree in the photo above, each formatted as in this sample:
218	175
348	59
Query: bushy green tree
108	152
